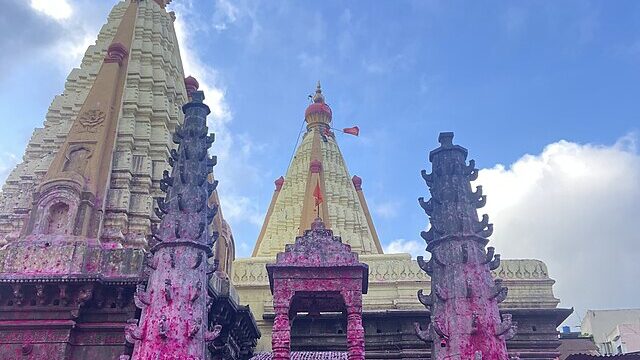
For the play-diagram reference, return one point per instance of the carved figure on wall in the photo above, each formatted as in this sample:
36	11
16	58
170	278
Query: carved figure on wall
77	159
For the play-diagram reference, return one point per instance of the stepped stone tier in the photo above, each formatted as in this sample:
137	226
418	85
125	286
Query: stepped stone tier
76	215
465	320
390	308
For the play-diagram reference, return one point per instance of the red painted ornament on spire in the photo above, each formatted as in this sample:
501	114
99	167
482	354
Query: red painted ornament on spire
357	182
279	182
315	167
318	106
191	84
116	53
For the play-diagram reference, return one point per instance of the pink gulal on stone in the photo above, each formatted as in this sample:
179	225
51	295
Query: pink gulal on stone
317	274
174	323
465	319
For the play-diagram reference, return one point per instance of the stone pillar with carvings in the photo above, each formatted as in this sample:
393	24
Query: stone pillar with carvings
281	337
174	321
355	330
465	321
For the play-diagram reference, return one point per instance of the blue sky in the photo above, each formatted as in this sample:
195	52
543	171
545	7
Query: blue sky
544	94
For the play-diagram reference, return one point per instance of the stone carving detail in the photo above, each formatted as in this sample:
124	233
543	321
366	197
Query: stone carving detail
77	159
91	119
174	312
465	321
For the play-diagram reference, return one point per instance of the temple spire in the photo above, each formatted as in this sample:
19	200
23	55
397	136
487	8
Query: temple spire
318	164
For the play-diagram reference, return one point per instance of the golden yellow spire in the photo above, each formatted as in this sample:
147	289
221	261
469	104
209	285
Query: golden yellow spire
317	162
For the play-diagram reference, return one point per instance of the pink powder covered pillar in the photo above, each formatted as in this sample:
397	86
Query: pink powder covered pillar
355	330
465	320
174	321
281	336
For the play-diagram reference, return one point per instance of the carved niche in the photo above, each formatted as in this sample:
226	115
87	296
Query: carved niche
56	209
58	219
77	158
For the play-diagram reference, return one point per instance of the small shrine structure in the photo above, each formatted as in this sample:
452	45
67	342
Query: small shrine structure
317	274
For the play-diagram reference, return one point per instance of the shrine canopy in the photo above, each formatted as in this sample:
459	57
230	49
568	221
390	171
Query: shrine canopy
316	250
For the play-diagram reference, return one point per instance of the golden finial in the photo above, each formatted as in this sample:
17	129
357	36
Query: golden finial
318	97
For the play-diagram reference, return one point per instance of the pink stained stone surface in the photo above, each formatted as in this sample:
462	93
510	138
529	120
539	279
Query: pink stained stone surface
174	323
307	355
317	274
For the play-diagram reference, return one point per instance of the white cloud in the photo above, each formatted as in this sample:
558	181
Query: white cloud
577	208
385	209
56	9
399	246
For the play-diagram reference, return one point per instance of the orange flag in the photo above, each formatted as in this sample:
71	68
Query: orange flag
352	131
317	194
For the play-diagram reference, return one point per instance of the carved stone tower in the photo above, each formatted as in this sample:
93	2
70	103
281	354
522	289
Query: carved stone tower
174	322
465	321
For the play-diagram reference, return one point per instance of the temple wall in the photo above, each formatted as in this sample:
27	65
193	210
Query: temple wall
154	93
394	281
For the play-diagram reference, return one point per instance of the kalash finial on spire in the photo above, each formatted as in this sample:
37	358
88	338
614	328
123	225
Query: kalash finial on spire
318	97
318	112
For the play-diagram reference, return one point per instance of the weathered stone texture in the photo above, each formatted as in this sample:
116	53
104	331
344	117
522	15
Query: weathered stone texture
465	320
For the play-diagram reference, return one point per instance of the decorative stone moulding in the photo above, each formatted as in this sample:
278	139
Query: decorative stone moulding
279	183
357	182
116	53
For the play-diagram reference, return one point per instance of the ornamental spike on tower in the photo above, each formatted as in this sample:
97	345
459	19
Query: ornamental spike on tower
465	320
174	321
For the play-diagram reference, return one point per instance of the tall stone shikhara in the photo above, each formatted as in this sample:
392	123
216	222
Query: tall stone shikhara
174	322
465	320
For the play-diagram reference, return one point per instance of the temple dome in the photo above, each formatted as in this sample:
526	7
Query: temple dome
318	111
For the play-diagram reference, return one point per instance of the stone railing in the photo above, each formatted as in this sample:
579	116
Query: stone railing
390	268
528	280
